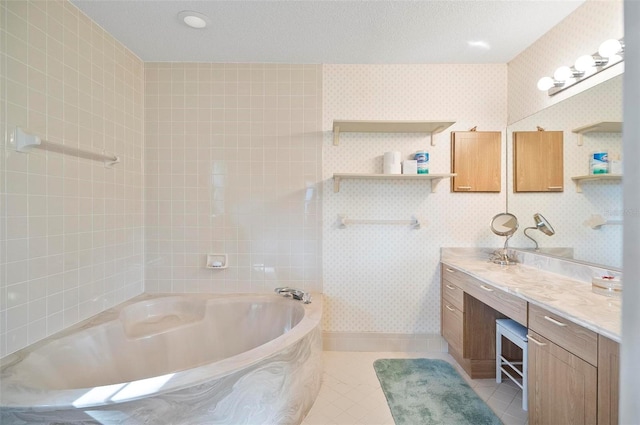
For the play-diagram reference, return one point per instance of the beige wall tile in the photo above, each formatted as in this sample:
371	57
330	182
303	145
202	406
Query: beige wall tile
56	88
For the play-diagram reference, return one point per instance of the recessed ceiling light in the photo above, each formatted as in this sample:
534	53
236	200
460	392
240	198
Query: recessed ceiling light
479	44
193	19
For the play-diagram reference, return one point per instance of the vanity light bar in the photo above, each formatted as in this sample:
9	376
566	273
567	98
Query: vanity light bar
609	53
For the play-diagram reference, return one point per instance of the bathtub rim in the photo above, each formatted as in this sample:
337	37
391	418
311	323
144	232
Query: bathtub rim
17	397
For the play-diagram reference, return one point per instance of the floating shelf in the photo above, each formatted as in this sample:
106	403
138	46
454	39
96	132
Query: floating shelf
433	178
430	127
578	180
598	127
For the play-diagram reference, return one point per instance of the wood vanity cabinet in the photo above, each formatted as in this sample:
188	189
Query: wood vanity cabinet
608	381
538	161
573	371
562	386
475	159
563	378
468	323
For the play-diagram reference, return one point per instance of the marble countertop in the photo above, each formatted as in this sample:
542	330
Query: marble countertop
563	295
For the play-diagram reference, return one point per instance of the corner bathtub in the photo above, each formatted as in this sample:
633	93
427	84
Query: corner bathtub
185	359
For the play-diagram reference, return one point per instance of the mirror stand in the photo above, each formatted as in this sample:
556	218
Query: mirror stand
504	224
502	257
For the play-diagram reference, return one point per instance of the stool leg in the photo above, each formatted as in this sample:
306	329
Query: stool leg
525	377
498	354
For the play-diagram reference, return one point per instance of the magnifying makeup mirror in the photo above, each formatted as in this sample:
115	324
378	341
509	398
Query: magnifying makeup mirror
541	224
503	224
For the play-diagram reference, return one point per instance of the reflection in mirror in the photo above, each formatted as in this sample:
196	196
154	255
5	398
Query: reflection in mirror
570	209
503	224
541	224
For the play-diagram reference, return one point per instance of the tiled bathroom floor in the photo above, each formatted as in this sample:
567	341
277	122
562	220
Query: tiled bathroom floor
351	394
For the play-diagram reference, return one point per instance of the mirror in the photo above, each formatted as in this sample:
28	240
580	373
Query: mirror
572	209
541	224
503	224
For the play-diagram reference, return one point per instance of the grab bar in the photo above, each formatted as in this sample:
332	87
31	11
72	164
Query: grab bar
24	140
343	221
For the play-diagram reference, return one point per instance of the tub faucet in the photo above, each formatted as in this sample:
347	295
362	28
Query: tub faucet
296	294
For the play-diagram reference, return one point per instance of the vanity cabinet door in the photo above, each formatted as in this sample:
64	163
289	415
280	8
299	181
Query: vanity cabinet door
452	325
562	386
475	158
538	161
608	381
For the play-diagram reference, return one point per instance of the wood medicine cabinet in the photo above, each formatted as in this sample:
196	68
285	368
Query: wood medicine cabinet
538	161
475	159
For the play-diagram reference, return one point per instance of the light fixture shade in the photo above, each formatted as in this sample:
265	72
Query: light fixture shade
563	73
193	19
585	63
610	48
545	83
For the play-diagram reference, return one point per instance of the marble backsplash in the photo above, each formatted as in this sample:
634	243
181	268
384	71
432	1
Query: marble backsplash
553	260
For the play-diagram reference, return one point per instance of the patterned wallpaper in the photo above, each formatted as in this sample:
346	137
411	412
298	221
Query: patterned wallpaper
385	278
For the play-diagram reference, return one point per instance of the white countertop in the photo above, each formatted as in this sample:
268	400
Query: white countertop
569	298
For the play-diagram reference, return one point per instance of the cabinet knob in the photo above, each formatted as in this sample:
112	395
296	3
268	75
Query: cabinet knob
449	307
450	286
464	187
486	288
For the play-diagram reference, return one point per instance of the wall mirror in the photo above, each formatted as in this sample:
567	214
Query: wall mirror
573	210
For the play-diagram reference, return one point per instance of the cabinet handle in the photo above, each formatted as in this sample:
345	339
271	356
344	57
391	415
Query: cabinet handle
555	322
450	270
464	187
554	187
530	338
486	288
450	286
449	307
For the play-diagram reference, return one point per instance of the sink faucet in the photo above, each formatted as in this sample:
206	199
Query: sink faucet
296	294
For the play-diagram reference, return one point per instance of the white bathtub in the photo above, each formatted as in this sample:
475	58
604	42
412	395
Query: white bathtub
174	359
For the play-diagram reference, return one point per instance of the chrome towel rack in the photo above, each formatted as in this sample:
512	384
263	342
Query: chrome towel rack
23	141
344	221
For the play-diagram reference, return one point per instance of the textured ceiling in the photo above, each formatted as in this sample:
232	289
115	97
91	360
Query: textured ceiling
307	31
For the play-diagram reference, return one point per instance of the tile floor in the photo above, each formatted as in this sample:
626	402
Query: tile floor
351	394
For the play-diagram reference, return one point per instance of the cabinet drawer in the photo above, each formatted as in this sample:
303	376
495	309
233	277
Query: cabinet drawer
453	293
452	324
573	338
507	304
455	277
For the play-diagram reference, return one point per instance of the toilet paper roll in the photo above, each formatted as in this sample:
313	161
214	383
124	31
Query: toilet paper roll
391	163
392	157
392	168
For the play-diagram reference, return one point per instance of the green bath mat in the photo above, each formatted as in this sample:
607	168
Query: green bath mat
430	391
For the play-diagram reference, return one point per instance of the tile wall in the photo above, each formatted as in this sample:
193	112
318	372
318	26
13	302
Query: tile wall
71	241
233	166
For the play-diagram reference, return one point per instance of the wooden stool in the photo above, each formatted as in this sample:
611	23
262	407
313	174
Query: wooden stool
517	334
